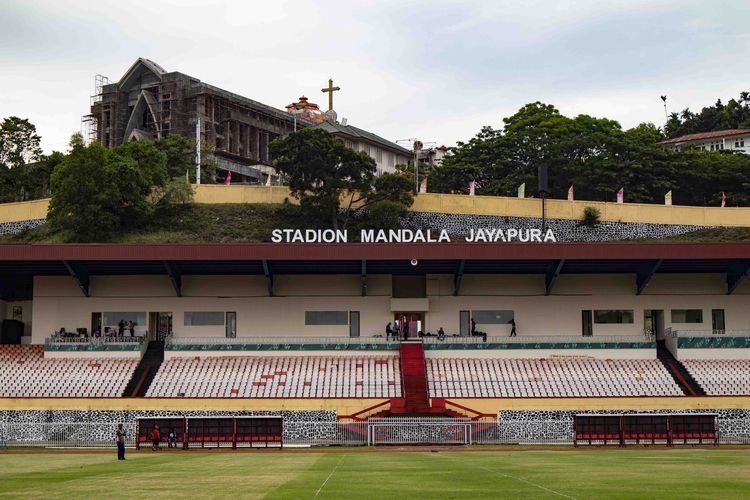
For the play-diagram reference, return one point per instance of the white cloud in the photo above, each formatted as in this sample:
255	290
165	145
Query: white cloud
436	70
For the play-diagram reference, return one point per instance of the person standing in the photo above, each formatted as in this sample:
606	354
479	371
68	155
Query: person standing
473	327
121	328
155	438
406	330
131	328
512	327
172	439
396	332
120	442
388	331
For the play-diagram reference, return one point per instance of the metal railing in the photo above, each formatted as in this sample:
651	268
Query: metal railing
63	435
549	339
172	340
106	340
408	430
712	333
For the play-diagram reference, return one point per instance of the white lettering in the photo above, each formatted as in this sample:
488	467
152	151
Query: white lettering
276	236
550	236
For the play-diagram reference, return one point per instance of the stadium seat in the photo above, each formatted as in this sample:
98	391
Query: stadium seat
721	377
27	373
278	377
488	377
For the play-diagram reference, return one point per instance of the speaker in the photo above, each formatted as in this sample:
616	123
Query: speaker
542	175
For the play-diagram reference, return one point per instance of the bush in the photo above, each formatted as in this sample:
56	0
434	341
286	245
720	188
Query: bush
591	216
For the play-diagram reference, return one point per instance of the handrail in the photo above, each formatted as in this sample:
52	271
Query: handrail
548	339
172	340
57	340
712	333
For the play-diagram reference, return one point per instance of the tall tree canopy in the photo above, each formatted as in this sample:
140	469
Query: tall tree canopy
735	114
593	154
97	191
19	142
324	175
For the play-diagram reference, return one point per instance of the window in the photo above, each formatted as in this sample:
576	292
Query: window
492	317
616	316
113	318
687	316
326	318
204	318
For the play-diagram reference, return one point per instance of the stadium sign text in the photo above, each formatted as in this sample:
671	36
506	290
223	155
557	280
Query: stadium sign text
479	235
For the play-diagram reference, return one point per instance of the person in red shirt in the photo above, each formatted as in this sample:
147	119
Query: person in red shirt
155	438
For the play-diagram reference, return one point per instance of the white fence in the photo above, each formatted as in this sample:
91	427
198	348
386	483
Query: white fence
63	435
529	339
711	333
385	431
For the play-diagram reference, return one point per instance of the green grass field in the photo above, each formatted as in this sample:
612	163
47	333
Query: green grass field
353	474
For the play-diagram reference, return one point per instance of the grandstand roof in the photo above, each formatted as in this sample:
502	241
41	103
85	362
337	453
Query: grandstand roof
20	263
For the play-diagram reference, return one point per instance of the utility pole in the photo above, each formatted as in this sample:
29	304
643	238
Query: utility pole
198	151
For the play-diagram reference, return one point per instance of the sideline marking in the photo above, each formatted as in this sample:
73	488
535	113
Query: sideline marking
524	481
329	476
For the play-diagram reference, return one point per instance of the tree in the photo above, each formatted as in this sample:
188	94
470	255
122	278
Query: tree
735	114
83	200
180	153
96	192
596	156
321	170
19	142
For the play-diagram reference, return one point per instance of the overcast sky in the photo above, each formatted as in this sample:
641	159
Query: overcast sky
435	70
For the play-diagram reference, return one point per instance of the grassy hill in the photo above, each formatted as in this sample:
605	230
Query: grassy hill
220	223
198	223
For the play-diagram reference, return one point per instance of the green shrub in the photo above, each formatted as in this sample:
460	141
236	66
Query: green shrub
591	216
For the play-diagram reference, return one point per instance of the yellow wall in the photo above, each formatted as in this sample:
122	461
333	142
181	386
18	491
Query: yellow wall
344	407
492	405
459	204
341	406
24	210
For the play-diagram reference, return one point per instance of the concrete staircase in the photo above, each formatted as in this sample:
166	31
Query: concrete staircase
680	375
146	370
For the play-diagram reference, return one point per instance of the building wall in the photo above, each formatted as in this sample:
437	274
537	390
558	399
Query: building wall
458	204
58	302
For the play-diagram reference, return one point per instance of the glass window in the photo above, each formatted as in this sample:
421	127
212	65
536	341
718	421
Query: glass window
604	316
492	317
113	318
204	318
326	318
687	316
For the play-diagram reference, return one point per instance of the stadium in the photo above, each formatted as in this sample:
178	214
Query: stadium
612	346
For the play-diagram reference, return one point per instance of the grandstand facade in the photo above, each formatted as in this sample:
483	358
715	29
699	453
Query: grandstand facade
495	331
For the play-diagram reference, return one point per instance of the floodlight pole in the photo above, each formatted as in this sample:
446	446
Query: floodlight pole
198	151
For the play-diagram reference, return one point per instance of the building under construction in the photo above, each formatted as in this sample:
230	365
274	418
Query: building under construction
149	102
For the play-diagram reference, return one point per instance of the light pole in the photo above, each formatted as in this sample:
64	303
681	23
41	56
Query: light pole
416	145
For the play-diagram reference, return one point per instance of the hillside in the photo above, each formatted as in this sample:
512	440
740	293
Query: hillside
245	222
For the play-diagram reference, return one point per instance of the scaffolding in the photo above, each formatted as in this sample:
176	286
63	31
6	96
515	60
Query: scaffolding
89	123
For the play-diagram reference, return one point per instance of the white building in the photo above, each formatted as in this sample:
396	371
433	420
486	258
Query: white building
386	154
719	140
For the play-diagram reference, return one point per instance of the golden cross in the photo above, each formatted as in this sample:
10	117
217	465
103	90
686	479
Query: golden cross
331	89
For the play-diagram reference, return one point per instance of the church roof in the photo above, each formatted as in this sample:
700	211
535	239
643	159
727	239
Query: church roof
358	133
140	64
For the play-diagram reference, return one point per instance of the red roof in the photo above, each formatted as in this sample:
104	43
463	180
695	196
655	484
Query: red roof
716	134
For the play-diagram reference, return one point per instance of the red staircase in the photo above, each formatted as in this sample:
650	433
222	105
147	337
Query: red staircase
413	379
